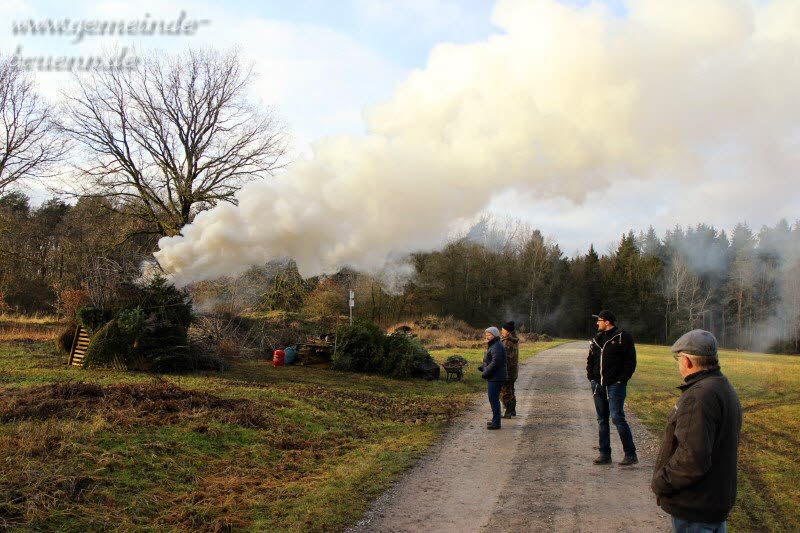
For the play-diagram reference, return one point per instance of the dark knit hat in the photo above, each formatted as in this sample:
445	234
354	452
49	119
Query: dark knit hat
509	326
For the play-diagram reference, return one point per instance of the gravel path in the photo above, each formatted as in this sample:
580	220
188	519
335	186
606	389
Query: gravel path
536	474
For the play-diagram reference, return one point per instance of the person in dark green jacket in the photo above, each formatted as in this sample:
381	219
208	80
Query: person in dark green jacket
511	343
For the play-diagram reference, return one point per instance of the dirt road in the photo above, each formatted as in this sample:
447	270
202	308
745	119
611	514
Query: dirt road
536	474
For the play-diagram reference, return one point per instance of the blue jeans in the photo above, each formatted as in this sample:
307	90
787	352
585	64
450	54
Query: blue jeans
494	400
680	525
610	400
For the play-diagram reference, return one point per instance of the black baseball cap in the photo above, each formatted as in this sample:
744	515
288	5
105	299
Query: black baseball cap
605	314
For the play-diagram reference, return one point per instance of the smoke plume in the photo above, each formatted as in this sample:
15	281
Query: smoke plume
563	100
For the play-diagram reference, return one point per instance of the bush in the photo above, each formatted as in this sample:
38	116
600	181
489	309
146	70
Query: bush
167	303
132	321
165	347
359	347
363	347
403	356
93	318
66	338
110	347
70	301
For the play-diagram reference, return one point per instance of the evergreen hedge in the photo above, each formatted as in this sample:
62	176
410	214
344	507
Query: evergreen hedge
363	347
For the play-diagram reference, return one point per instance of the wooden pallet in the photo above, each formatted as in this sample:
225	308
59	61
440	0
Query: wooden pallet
79	346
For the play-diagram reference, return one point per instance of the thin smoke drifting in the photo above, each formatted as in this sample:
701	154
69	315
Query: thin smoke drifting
566	100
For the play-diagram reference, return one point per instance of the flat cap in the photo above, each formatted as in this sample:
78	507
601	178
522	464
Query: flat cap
697	342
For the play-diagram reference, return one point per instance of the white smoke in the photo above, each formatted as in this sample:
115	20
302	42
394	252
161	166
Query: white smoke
567	100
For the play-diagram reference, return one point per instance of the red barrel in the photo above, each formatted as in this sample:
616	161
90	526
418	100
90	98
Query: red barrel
277	357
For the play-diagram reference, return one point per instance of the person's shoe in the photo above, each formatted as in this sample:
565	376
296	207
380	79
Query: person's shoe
603	460
493	426
629	460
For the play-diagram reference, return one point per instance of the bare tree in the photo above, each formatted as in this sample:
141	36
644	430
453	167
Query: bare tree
29	142
172	137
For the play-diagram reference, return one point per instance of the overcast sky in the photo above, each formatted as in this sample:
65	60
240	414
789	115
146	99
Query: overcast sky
322	62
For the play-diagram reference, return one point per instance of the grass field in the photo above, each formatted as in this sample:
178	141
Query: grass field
258	448
769	454
38	328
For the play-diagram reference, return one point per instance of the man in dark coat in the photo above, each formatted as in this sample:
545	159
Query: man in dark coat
511	345
494	371
695	473
611	363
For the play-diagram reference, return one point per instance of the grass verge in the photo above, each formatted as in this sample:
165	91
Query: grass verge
769	453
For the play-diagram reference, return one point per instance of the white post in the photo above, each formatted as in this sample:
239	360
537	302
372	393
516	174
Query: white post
352	304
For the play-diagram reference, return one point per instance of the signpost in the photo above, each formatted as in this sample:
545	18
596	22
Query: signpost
352	304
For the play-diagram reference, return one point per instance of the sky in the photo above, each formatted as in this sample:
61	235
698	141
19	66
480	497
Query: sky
323	64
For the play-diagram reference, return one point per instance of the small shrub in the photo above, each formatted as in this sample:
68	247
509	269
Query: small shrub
66	338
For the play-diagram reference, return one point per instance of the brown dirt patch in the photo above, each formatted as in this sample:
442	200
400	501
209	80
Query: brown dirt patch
156	403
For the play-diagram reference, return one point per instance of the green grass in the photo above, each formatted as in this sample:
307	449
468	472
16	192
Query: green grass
306	449
769	453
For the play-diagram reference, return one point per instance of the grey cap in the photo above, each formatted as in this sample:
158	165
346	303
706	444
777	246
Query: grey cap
493	330
697	342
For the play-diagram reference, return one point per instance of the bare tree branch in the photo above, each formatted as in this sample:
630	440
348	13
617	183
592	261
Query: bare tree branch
29	142
173	137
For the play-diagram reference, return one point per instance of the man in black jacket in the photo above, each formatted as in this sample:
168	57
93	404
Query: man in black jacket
611	363
695	474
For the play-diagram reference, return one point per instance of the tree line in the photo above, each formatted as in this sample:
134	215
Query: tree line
744	287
